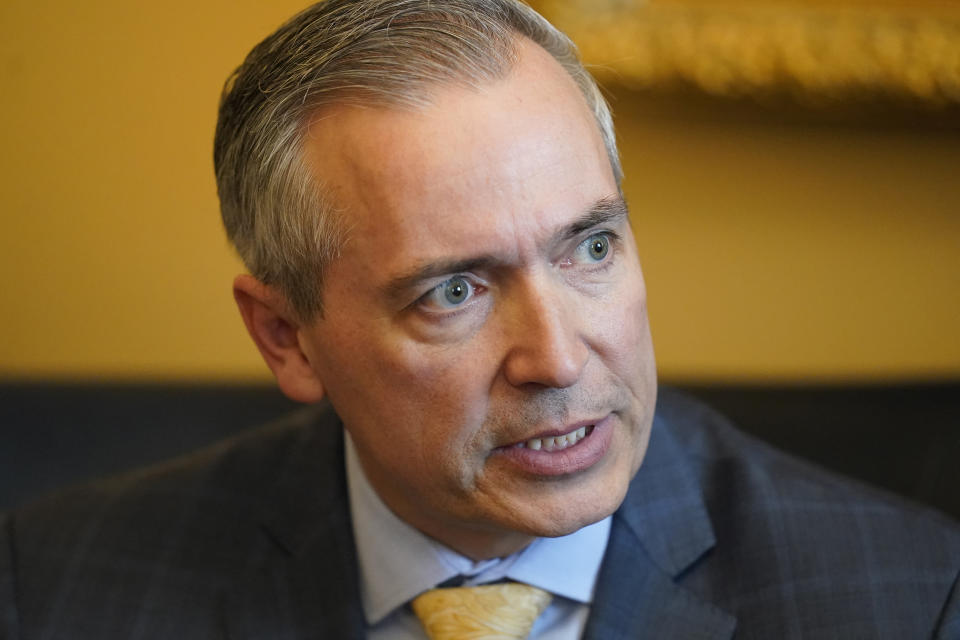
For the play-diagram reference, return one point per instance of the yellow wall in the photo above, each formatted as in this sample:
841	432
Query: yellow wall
795	251
772	251
113	259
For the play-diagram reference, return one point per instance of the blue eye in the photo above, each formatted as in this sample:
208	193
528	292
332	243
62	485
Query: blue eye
596	247
456	290
450	294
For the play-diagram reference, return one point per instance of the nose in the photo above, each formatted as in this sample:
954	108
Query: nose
546	346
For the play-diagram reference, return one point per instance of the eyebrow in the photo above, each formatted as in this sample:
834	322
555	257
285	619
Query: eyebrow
611	210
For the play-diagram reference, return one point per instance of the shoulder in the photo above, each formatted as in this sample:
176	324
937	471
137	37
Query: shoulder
169	536
228	475
729	463
797	543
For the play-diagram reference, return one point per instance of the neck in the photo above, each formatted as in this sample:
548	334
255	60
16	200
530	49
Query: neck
474	541
479	546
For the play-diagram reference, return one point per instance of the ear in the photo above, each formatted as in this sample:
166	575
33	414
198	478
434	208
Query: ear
274	330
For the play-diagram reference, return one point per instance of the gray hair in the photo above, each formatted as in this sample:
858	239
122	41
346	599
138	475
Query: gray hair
367	52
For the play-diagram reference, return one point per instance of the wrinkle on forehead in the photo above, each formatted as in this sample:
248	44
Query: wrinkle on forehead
422	179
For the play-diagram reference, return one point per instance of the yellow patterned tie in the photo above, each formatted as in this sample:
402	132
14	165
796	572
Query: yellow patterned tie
489	612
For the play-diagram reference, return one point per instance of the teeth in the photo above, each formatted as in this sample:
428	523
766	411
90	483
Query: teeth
557	443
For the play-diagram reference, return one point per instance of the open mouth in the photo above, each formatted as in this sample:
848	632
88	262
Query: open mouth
561	454
556	443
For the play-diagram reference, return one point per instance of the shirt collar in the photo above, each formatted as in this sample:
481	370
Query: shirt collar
397	562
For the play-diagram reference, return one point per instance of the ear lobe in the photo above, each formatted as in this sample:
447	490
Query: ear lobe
274	330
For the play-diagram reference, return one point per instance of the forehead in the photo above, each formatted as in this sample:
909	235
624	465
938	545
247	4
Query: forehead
474	171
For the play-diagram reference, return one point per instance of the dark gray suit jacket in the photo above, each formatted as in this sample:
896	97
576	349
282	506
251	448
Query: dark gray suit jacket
719	536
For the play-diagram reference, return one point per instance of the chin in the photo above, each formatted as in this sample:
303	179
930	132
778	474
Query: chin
564	520
564	527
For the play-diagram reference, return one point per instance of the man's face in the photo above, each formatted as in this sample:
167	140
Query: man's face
489	299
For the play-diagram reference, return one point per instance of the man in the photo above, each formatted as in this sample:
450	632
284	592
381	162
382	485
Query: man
427	196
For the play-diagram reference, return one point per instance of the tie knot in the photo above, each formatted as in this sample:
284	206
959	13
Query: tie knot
504	611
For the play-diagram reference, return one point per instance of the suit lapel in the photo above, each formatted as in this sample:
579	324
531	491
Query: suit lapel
659	532
306	587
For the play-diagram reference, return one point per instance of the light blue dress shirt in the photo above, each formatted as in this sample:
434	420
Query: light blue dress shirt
397	563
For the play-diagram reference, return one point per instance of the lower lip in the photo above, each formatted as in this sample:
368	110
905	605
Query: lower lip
579	457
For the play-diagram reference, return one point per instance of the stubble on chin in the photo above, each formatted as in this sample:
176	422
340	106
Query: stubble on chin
530	412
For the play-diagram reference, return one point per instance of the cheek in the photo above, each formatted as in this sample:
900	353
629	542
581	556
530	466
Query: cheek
622	329
435	397
427	371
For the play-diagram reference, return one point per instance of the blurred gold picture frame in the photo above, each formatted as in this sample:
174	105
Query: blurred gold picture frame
816	51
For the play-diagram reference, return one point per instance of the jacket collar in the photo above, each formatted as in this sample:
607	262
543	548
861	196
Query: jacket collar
306	586
660	531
